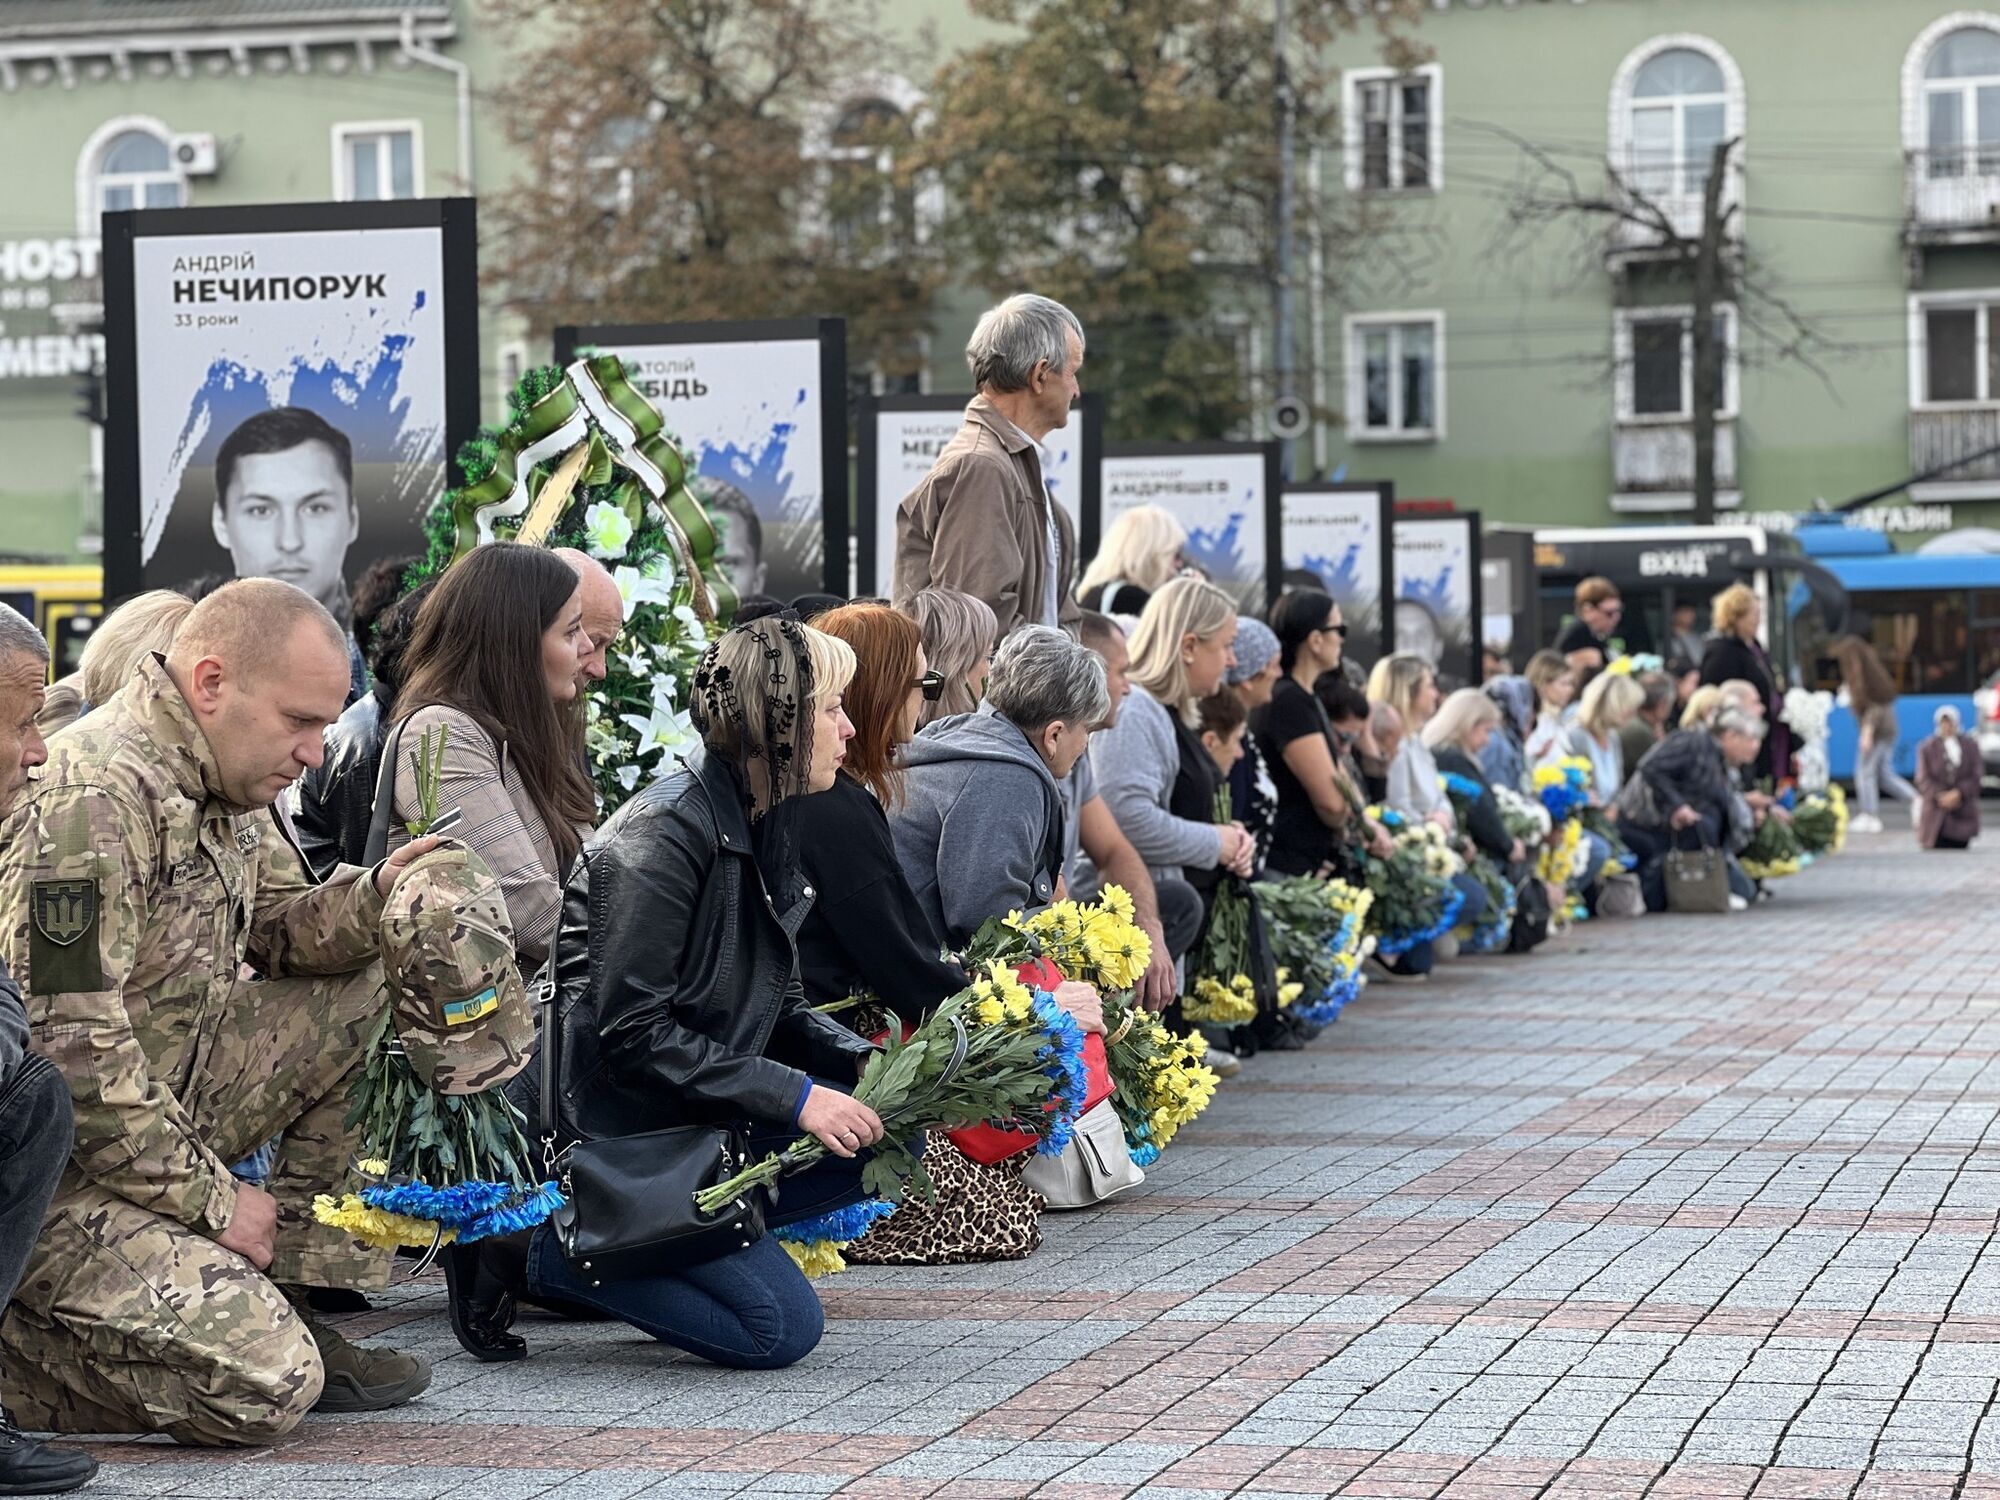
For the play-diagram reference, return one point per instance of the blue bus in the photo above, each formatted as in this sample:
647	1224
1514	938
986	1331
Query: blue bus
1935	620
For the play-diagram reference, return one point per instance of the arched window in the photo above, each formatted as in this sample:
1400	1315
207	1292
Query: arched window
865	206
135	169
1961	104
1679	111
1673	101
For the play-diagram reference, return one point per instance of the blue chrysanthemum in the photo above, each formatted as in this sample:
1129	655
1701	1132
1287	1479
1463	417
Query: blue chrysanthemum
843	1225
452	1207
511	1218
1061	1057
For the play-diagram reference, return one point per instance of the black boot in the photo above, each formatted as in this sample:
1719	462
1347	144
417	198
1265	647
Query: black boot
482	1305
31	1468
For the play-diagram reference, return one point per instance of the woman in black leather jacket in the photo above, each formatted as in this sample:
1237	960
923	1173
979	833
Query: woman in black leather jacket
679	1000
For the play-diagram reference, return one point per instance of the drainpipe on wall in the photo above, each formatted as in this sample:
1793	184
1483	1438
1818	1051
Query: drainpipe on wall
422	52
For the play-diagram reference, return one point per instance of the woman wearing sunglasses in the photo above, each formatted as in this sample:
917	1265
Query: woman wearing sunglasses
866	931
1319	820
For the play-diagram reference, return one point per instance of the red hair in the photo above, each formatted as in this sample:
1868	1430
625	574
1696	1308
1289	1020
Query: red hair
887	648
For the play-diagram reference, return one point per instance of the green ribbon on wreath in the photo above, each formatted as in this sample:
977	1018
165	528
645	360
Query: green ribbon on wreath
595	402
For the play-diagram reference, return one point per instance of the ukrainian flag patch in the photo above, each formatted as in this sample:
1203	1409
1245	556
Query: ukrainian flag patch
463	1012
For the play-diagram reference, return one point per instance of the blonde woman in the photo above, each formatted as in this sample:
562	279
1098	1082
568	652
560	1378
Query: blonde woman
1140	552
1554	682
960	635
1457	736
1733	651
1407	685
144	624
1151	768
1607	707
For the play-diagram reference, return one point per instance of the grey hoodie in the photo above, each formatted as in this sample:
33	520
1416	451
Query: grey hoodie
980	830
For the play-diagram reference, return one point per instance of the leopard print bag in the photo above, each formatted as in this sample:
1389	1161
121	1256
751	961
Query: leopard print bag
979	1212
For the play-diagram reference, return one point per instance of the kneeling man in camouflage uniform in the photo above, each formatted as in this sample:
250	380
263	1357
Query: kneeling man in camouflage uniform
141	872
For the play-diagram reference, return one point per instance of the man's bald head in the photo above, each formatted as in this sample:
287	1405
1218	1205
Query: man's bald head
603	611
264	669
250	624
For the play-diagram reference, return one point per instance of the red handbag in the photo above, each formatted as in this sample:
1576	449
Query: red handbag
988	1144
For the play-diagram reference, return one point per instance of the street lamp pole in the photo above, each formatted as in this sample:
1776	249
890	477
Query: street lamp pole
1283	343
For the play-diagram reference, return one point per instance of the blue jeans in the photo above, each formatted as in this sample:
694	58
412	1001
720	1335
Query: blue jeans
750	1310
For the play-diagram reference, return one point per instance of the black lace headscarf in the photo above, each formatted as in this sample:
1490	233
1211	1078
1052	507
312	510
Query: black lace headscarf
753	703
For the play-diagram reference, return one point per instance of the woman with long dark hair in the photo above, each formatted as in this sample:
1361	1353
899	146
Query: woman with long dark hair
1319	807
492	662
1871	696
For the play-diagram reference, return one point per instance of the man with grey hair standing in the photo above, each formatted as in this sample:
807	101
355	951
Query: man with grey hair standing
983	521
35	1114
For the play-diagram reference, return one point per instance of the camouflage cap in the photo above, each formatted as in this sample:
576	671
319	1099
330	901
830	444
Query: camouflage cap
462	1012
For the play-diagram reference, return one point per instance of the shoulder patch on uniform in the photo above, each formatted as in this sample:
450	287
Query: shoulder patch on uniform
64	910
61	914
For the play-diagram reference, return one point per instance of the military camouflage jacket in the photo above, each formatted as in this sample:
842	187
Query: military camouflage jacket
132	893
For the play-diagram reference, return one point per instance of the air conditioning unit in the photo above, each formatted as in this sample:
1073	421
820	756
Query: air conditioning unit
194	154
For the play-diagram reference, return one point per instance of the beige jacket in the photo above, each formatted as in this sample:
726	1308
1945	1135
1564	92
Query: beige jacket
978	523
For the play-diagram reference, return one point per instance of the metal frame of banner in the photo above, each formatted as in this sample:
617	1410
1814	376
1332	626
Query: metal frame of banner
831	334
1384	491
1273	452
1470	519
871	571
456	221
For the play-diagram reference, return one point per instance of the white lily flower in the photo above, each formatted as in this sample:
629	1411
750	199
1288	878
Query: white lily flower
606	530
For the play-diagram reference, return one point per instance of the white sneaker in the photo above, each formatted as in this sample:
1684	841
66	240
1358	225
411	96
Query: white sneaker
1864	823
1224	1062
1446	947
1737	903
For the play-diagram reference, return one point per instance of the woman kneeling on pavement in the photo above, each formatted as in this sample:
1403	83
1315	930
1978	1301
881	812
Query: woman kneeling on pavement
1408	685
678	996
978	832
1684	794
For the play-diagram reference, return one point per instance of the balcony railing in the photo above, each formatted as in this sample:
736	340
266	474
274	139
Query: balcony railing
1938	438
1658	457
1953	194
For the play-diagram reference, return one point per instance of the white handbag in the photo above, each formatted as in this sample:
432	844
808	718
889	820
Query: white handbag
1092	1167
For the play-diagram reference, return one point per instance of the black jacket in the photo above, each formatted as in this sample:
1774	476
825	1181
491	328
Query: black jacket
866	930
1728	656
676	980
337	797
1483	822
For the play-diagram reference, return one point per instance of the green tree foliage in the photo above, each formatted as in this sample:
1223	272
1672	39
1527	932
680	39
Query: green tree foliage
1120	156
693	159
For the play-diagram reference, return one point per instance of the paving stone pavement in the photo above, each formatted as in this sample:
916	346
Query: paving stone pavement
1682	1207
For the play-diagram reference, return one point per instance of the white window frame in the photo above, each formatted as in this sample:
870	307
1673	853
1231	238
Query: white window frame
1733	111
346	130
1353	327
1627	386
1977	300
1352	136
90	159
1917	89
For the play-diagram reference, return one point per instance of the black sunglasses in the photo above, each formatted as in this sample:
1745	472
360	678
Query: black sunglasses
932	685
1339	630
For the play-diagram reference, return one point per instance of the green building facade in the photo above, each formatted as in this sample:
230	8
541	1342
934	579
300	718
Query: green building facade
1482	345
1532	360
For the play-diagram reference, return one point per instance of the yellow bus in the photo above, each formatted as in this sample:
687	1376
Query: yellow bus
64	600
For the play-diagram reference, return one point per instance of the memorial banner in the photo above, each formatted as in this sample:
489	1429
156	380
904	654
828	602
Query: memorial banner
284	387
760	411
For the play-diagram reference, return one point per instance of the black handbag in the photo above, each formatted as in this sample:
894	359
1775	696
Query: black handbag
1531	916
629	1202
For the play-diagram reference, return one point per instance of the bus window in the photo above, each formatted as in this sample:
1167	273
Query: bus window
1985	628
1923	636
